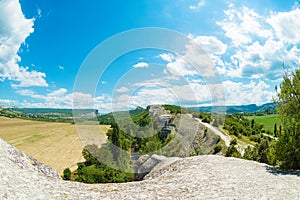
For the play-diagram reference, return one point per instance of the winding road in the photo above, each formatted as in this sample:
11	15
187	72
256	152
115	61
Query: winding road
224	137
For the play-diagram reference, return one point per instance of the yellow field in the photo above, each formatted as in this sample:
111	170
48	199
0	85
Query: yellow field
55	144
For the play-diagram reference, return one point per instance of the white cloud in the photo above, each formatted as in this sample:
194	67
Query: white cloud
62	99
167	57
286	25
257	61
195	60
25	92
141	65
242	25
194	93
210	44
199	60
122	89
39	13
200	4
143	97
181	68
61	67
14	29
214	47
165	81
8	102
183	93
259	44
238	93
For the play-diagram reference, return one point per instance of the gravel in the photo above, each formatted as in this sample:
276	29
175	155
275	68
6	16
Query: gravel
199	177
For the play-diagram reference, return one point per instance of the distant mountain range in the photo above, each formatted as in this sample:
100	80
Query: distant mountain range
268	107
63	113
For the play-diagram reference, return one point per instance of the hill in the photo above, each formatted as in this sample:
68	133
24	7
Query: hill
47	114
198	177
268	107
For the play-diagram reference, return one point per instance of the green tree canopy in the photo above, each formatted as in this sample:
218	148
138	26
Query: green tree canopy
288	108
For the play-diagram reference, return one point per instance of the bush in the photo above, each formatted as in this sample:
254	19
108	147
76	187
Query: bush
233	142
67	174
232	152
217	149
255	138
206	120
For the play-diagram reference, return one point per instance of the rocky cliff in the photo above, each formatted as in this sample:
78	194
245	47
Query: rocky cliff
199	177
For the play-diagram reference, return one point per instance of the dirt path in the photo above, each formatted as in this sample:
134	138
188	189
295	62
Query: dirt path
224	137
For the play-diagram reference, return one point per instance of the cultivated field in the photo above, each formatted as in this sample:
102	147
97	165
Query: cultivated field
267	120
55	144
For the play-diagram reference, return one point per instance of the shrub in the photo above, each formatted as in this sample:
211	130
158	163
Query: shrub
217	149
232	152
233	142
206	120
67	174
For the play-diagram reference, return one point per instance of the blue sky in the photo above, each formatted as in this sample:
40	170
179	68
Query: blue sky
43	45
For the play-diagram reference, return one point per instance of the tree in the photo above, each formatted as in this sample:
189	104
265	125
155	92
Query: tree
252	123
90	153
275	129
233	142
288	107
280	129
232	150
215	123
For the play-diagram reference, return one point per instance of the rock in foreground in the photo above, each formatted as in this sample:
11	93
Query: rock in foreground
200	177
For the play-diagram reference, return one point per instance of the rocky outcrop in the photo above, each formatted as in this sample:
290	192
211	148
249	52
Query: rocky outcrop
20	159
153	163
199	177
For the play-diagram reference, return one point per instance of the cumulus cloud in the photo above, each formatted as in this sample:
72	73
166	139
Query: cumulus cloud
195	60
214	47
238	93
259	44
242	25
14	29
141	65
286	25
210	44
180	67
177	65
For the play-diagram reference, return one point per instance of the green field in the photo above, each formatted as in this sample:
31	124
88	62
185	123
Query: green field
267	120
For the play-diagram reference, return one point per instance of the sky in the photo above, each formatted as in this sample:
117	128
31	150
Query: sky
45	47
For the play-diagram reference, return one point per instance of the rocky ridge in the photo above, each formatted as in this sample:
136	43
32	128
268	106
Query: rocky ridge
199	177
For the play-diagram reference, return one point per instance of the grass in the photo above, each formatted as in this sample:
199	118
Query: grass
55	144
267	120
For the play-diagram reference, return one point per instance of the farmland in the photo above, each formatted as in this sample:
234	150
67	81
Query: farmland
55	144
267	120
